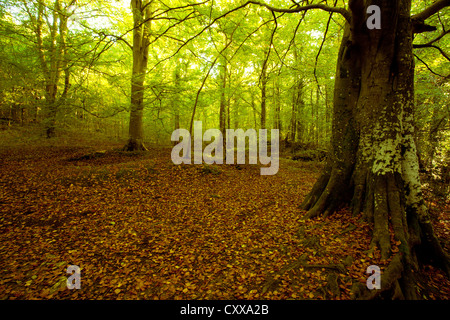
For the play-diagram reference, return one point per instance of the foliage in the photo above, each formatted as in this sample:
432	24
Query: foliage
141	227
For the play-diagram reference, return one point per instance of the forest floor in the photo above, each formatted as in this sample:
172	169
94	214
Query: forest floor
140	227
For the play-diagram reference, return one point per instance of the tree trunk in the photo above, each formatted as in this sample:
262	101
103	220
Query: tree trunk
49	68
297	102
373	164
176	100
327	114
316	119
293	125
263	93
297	111
141	34
223	102
52	59
277	103
252	104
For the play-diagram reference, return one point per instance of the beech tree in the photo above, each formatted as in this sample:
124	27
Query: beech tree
146	12
52	57
141	41
373	165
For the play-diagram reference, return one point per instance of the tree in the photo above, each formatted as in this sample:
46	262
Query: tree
264	80
141	40
52	57
373	165
53	43
223	86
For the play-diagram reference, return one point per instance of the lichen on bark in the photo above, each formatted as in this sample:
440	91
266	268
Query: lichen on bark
373	165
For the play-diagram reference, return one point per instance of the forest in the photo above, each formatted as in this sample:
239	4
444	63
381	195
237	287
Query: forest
224	150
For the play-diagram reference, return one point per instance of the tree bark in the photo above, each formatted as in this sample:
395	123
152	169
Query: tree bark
176	100
49	66
277	103
263	92
141	39
373	163
297	110
223	99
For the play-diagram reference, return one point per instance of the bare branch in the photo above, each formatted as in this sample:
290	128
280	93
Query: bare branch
428	67
428	44
264	65
204	81
435	47
84	108
320	50
346	14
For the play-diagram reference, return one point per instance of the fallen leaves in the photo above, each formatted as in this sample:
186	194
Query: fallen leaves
142	228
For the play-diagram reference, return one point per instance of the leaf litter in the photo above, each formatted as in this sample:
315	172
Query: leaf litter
140	227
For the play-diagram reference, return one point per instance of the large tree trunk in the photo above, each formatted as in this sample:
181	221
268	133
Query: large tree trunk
49	66
373	164
52	59
141	33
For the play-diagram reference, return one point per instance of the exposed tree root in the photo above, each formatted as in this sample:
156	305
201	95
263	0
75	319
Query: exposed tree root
135	145
328	193
389	280
373	165
382	198
432	249
397	283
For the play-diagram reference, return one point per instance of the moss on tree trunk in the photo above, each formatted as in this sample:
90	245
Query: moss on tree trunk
373	166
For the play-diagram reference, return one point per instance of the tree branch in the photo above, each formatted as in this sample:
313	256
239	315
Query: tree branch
203	84
433	46
320	49
431	10
266	60
428	67
346	14
428	44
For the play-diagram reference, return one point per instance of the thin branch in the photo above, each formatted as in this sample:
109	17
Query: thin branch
432	41
155	16
346	14
264	65
295	33
185	43
435	47
203	84
247	37
429	69
173	26
83	107
320	49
